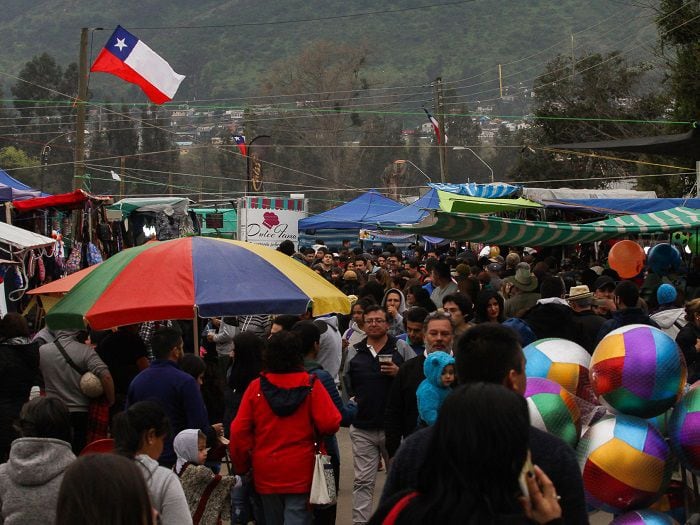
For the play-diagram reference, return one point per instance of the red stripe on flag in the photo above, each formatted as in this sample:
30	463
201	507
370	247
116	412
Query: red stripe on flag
106	62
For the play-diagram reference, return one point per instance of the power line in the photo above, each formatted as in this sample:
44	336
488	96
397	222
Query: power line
315	19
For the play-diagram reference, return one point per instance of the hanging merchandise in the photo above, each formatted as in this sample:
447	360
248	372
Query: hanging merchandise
93	254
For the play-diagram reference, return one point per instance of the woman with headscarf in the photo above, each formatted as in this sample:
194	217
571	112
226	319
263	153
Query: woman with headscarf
208	494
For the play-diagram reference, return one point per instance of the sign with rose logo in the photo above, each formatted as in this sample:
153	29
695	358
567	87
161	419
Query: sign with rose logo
269	220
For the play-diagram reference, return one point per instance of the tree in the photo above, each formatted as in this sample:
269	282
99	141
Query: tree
21	166
323	121
604	99
45	115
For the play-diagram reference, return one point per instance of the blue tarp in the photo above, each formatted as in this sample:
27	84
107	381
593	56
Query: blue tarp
495	190
412	213
12	190
625	205
353	215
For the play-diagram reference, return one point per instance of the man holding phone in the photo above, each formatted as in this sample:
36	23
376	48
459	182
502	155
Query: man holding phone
370	374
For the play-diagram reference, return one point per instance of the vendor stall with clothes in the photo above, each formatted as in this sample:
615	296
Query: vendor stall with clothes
160	218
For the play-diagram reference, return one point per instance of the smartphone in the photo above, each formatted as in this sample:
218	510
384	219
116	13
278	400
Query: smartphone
522	480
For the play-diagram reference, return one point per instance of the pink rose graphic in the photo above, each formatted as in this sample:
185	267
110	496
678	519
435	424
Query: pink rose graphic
270	219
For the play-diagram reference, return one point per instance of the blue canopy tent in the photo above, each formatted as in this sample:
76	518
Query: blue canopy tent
608	206
412	213
13	190
354	215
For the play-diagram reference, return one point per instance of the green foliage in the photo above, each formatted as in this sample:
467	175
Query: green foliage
604	87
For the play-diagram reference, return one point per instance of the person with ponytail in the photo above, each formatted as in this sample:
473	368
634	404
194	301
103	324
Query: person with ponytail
139	434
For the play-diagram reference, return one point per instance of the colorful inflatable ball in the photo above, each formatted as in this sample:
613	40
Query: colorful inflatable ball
644	517
561	361
553	409
638	370
625	464
684	430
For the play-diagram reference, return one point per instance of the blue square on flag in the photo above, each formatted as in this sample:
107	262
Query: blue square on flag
121	43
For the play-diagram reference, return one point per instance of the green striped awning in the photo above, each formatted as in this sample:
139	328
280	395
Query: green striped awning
518	232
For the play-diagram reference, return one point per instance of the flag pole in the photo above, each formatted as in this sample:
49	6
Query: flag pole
79	166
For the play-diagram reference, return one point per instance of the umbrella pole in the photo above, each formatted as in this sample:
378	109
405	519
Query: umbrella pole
195	331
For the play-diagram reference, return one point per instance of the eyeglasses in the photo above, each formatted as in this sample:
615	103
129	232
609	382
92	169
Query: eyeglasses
375	321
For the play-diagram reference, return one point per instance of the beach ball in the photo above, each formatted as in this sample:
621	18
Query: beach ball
661	421
553	409
663	258
561	361
627	259
680	239
625	464
644	517
638	370
684	430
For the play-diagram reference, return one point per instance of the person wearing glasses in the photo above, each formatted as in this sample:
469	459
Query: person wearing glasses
401	415
370	374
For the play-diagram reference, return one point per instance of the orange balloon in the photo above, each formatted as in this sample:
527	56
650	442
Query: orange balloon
627	259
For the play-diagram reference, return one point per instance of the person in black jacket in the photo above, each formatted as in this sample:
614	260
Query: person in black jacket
628	311
19	370
401	415
477	452
369	377
490	352
688	339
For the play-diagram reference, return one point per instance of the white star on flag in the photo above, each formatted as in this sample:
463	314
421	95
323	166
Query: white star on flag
120	43
115	175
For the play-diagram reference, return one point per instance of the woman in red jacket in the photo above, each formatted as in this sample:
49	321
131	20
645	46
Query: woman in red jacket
273	432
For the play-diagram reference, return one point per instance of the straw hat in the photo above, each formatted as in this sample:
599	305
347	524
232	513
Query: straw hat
577	293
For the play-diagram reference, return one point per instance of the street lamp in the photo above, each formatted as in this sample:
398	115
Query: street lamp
401	161
45	152
460	148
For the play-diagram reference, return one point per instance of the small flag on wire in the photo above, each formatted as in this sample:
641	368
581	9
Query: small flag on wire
115	175
130	59
436	127
240	142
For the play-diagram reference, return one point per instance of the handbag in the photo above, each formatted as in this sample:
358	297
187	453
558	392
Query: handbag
88	381
323	480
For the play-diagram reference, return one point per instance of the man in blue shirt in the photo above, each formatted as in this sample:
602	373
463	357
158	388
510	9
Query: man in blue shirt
177	392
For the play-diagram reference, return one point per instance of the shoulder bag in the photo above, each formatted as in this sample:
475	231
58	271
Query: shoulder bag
88	380
323	481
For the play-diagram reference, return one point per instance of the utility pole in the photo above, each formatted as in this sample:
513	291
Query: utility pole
79	166
500	81
440	110
573	59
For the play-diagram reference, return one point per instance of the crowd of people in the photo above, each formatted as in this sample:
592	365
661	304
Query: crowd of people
427	371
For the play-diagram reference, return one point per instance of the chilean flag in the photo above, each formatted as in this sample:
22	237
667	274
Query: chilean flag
240	142
128	58
436	127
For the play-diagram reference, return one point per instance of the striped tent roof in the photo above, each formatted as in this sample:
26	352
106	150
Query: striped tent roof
518	232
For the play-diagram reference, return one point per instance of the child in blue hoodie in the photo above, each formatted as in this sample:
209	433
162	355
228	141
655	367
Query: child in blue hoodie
439	370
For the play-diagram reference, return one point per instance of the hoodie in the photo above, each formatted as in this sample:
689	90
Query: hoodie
274	430
165	490
330	350
30	480
396	323
431	392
